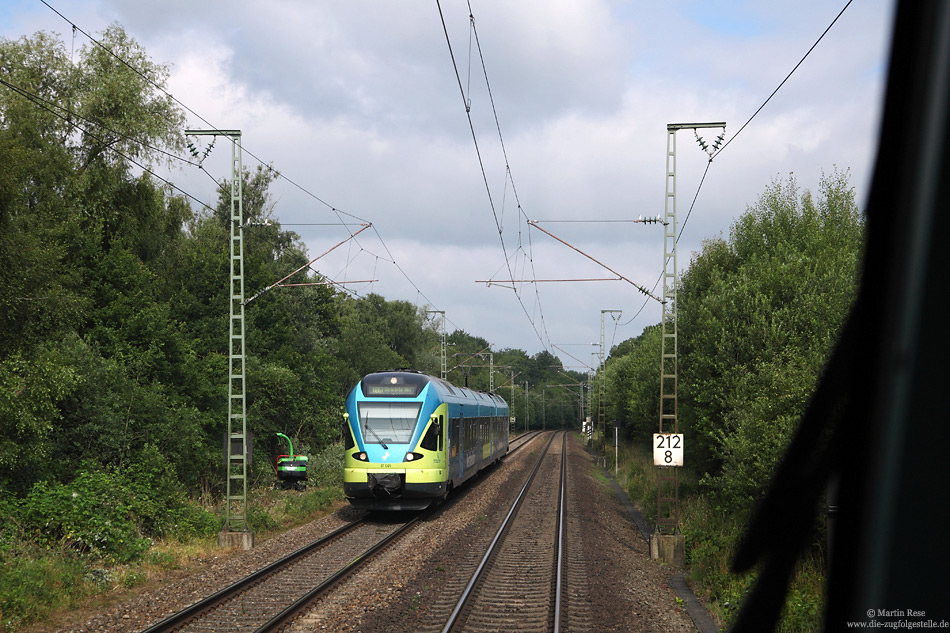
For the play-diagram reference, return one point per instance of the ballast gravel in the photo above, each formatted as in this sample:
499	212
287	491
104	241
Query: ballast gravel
627	591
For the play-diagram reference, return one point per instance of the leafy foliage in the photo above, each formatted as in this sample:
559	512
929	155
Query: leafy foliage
113	514
33	585
759	315
113	325
633	385
113	311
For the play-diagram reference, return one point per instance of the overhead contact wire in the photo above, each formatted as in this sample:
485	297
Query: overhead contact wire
759	109
144	168
481	162
278	173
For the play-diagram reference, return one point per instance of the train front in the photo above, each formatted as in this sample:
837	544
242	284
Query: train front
394	448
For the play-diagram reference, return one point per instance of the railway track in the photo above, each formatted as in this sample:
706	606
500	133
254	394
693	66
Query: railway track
524	574
521	440
516	586
519	579
268	599
606	579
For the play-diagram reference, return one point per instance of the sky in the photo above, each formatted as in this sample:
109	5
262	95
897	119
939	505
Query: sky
516	152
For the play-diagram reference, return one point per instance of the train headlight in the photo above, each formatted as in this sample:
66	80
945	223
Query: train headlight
413	456
362	457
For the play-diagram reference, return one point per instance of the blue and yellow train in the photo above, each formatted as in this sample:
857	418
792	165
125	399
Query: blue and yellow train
412	438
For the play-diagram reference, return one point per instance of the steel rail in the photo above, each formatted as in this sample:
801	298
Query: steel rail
453	618
560	536
185	615
193	611
523	440
294	609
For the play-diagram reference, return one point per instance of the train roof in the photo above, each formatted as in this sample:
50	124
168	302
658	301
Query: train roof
410	384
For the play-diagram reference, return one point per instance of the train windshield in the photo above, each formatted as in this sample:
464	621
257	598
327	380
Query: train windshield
388	422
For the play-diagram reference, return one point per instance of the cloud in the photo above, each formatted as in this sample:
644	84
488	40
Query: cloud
358	102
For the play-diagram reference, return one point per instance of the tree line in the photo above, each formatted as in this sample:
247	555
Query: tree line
758	315
113	299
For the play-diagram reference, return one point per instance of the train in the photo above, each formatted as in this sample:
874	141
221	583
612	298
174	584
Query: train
411	438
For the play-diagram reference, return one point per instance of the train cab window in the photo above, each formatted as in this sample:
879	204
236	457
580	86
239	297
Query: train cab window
348	442
388	422
433	437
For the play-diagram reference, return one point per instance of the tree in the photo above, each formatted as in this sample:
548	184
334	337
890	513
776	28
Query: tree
122	92
759	314
468	360
369	338
633	384
41	294
77	236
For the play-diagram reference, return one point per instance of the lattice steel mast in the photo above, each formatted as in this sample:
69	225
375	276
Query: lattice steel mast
235	518
667	483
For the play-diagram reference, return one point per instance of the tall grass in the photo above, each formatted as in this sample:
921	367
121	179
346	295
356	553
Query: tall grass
711	539
34	582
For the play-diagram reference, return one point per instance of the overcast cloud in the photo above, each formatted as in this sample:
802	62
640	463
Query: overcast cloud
358	102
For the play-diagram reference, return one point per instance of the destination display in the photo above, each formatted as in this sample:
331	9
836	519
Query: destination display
390	390
394	385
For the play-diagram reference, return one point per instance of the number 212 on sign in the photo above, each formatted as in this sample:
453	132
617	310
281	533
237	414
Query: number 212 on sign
667	449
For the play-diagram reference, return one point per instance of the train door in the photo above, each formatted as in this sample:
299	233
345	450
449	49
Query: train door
493	425
442	433
455	448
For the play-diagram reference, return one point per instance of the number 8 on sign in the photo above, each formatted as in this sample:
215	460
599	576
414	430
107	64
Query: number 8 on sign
667	449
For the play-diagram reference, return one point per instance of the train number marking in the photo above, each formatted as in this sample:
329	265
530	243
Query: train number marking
667	449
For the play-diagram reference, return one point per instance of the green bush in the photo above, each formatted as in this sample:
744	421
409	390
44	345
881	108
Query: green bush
164	509
711	537
641	486
190	521
114	514
93	514
325	468
9	521
259	519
